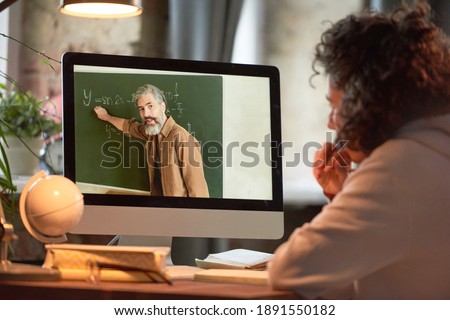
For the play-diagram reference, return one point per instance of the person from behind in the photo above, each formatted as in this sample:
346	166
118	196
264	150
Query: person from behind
385	233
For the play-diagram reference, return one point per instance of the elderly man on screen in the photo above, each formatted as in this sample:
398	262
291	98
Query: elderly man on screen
175	164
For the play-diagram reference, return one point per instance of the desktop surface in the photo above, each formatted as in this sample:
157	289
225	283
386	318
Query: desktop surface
180	289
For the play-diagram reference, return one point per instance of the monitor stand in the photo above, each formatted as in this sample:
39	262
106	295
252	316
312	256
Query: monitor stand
183	250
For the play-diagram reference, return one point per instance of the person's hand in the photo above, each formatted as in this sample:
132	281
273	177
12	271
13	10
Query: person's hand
331	169
101	112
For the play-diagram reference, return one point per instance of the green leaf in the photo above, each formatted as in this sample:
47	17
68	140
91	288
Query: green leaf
22	113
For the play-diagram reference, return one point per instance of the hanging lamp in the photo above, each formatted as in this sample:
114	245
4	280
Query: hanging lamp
101	8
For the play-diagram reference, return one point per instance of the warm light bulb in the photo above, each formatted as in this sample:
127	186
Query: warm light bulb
101	10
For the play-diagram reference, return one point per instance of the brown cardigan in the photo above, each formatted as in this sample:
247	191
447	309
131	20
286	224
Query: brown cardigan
181	162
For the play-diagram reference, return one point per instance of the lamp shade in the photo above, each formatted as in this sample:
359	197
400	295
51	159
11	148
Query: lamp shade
101	8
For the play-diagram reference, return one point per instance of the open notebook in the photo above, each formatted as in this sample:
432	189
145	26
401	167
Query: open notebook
236	259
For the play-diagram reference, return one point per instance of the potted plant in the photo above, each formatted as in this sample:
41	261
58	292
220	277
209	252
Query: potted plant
21	118
24	125
7	188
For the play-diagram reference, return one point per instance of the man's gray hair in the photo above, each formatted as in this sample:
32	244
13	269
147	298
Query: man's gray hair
149	88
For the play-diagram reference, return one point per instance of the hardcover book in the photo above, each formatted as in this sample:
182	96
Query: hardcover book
107	263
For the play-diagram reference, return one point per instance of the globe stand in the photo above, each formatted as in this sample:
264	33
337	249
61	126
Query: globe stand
19	271
54	205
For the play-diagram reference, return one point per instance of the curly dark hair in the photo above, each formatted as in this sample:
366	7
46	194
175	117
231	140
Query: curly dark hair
393	68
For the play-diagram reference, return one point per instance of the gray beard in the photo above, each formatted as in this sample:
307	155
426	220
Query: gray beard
153	130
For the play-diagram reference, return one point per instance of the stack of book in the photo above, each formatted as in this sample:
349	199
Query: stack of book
108	263
235	266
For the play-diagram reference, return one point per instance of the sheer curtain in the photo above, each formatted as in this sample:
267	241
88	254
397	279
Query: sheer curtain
203	29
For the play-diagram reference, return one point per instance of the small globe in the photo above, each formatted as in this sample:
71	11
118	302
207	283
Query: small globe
52	205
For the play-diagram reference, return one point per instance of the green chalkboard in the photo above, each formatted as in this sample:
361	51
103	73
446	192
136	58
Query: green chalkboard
104	156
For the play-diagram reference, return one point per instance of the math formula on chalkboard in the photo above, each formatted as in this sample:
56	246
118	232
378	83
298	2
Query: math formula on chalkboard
173	101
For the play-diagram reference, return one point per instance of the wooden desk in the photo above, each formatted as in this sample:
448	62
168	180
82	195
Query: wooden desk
181	289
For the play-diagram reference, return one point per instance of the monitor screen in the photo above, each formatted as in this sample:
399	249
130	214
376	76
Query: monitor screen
218	172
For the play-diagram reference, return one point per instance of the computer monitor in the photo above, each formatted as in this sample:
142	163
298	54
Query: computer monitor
232	110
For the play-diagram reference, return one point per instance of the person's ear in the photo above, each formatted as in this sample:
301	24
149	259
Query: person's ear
163	106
